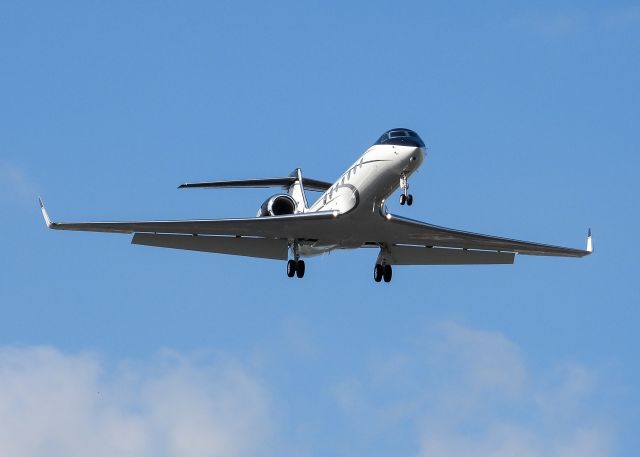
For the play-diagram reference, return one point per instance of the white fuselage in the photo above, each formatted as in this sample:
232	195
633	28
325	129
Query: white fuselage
361	191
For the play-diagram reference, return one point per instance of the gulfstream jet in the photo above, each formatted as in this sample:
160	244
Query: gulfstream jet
350	213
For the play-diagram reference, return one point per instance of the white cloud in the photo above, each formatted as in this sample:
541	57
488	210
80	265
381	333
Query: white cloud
55	404
505	409
488	358
552	23
562	396
628	16
15	185
508	440
457	391
472	394
562	23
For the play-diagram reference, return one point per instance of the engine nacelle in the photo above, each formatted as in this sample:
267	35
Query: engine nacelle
277	205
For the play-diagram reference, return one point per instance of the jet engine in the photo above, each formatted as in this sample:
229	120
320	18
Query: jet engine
277	205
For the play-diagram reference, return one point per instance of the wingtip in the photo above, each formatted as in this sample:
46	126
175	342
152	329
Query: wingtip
45	215
589	241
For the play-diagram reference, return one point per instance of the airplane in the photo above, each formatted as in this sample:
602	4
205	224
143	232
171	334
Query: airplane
350	213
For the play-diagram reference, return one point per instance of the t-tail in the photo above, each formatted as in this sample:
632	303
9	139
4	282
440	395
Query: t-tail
293	202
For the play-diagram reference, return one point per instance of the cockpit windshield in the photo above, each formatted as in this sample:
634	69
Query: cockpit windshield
404	137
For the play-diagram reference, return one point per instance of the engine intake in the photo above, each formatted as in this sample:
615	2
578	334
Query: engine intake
277	205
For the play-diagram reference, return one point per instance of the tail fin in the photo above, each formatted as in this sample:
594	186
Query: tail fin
296	191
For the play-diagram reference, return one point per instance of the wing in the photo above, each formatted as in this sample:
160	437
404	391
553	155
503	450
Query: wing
403	231
302	226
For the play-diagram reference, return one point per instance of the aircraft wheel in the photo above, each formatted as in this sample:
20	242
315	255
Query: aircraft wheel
291	268
387	273
300	269
377	272
403	199
409	200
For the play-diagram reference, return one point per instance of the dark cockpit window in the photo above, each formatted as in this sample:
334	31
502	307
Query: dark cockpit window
401	137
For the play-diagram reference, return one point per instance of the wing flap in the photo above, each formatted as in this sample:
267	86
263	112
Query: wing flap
421	255
250	247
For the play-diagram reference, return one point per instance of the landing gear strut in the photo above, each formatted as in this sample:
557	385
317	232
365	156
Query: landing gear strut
406	197
381	272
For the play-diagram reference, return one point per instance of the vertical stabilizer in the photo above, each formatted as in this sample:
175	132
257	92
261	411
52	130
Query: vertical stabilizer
296	190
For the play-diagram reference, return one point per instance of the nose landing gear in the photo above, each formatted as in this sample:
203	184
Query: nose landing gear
406	197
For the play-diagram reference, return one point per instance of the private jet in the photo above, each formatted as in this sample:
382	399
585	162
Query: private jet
350	213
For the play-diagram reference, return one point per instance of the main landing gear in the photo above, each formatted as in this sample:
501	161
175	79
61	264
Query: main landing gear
295	267
406	197
381	272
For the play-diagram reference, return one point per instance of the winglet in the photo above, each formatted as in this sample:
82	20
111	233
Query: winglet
589	242
44	213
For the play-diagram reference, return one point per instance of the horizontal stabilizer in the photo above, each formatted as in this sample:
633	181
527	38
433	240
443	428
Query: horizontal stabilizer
309	184
244	246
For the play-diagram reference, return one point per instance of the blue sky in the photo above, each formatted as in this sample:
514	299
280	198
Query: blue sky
530	113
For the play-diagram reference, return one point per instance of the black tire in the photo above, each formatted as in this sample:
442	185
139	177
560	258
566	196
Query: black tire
387	273
291	268
377	272
300	269
403	199
409	200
